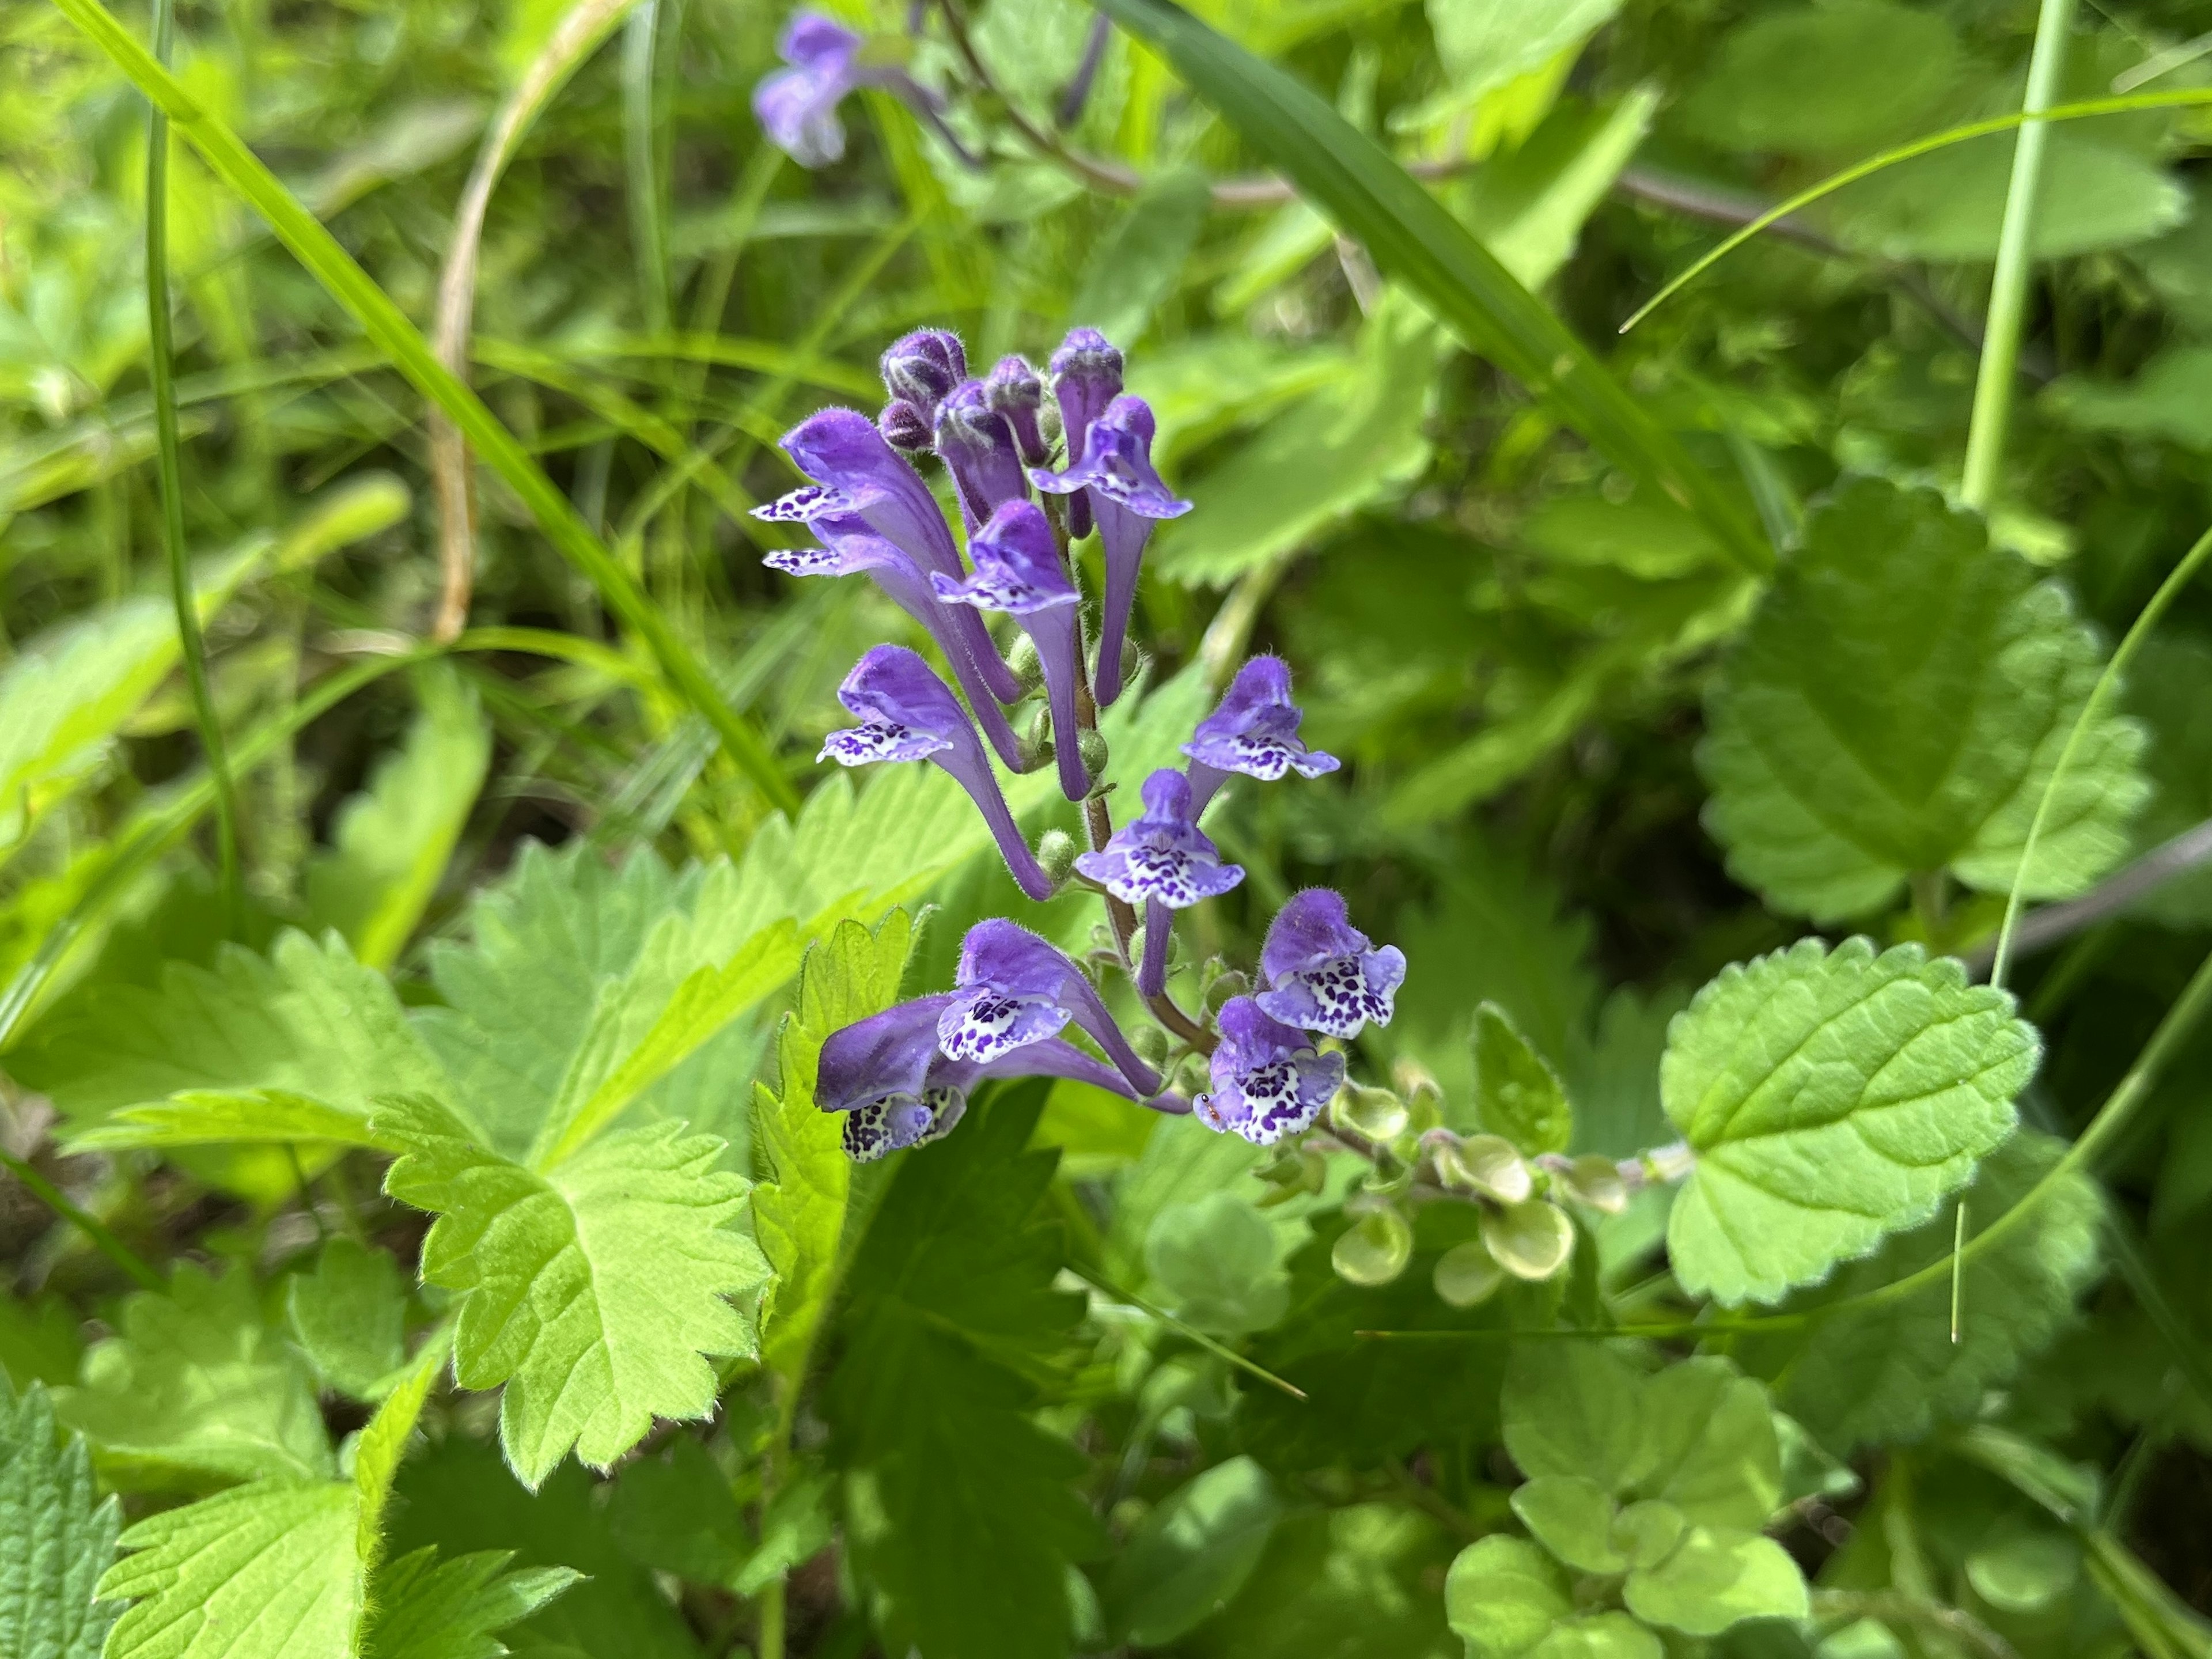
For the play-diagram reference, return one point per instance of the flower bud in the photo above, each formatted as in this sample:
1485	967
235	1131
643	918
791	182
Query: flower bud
1375	1112
1055	853
1151	1045
1374	1249
923	366
1226	986
1531	1241
1468	1275
905	428
1092	745
1016	392
1028	667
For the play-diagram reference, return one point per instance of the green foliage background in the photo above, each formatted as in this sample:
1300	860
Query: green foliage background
424	1245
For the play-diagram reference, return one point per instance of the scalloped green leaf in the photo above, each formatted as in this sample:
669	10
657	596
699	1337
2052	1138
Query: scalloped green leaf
1898	704
1832	1098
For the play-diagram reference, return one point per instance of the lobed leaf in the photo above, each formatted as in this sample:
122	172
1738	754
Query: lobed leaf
56	1535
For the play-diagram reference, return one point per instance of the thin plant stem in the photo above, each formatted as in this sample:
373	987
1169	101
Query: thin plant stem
169	467
83	1220
1993	380
2107	683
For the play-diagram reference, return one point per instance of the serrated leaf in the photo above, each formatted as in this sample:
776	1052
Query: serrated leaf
306	1023
198	1390
1888	1372
1832	1098
798	1214
389	843
348	1316
1192	1554
960	1515
591	1290
425	1608
1898	705
1832	79
1516	1094
2164	399
56	1535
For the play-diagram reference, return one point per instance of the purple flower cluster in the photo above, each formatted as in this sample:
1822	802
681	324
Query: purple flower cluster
903	1077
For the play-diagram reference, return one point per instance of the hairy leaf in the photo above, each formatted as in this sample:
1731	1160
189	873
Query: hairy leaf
425	1608
591	1290
389	843
56	1535
1516	1094
1832	1098
961	1518
348	1316
1898	705
1889	1371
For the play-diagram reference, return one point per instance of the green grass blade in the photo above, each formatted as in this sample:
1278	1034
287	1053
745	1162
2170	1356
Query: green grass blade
169	469
299	231
1411	238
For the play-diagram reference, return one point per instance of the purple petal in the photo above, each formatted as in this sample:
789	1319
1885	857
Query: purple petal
886	1054
1255	730
797	108
1013	963
804	505
1314	927
1016	392
922	368
977	445
1160	854
879	741
892	685
811	41
1086	376
983	1023
1117	463
1018	567
1269	1081
1339	997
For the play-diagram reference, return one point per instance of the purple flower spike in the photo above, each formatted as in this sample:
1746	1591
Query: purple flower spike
978	447
1086	376
842	449
1018	570
1017	394
1322	973
1016	990
898	1089
1125	495
797	107
923	368
1254	731
907	712
1161	854
1269	1081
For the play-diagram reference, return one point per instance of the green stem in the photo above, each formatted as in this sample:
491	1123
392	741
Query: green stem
640	31
83	1220
170	469
1993	381
342	277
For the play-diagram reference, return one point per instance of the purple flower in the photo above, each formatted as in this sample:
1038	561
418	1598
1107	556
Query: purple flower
906	429
1086	376
1017	394
842	449
1013	988
1160	859
977	446
797	107
922	368
1018	570
1269	1081
1254	731
1125	495
850	548
907	712
1322	973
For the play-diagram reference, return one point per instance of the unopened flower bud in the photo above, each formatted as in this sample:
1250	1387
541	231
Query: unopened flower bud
1374	1249
905	428
1016	392
1151	1045
1055	853
1531	1241
1468	1275
1226	986
923	366
1092	743
1375	1112
1028	666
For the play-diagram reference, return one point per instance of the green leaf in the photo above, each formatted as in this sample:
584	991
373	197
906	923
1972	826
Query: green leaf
60	1535
1516	1094
960	1517
1141	261
1715	1579
1832	1098
421	1607
1414	241
1214	1262
1835	80
2169	689
198	1390
348	1316
389	843
38	1341
2165	399
263	1571
1889	1371
1189	1557
1572	1516
1528	206
1898	705
798	1216
676	1513
256	1045
1335	451
1510	1601
1483	43
590	1290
